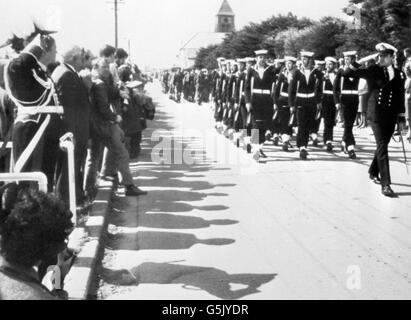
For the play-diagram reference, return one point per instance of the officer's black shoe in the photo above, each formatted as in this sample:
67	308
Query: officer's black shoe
263	155
375	179
303	154
388	192
315	143
133	191
276	140
248	148
329	147
352	155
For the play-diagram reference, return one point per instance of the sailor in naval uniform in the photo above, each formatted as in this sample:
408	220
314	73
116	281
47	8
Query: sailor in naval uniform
259	101
305	91
347	99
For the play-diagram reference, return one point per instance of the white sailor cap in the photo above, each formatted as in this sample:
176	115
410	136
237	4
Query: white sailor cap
241	60
248	59
279	60
220	59
308	54
290	58
350	53
385	47
331	59
319	62
262	52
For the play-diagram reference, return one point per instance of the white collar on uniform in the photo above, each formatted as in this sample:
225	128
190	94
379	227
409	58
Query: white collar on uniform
391	73
71	67
261	71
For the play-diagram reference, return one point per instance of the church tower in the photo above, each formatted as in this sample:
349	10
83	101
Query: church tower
225	19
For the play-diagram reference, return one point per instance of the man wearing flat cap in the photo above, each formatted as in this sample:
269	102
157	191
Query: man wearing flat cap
305	91
259	101
386	84
347	100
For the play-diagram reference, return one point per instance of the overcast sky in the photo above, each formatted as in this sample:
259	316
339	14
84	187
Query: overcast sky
156	28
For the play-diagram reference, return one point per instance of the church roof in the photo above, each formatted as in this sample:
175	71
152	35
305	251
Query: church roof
225	9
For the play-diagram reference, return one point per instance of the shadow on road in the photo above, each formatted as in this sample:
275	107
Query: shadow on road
152	240
214	281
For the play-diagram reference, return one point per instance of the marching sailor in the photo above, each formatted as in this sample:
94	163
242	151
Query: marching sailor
386	84
305	91
281	103
347	100
259	101
328	103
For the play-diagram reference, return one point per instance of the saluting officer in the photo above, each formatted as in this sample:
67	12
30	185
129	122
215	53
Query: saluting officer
328	102
305	91
347	99
259	101
281	103
386	84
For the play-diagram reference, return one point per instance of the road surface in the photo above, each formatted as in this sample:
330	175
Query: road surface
217	225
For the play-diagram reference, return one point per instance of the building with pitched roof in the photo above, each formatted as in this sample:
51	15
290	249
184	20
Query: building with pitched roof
225	23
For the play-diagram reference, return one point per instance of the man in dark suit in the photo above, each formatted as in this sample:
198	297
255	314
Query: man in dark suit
386	84
74	98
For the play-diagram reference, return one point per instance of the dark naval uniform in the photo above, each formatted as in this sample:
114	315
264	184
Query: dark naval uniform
305	94
389	94
346	93
240	117
230	100
220	83
328	106
282	101
258	92
29	86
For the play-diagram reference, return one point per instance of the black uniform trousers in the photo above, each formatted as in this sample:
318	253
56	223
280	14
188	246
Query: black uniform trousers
262	115
328	113
349	105
380	164
306	109
218	113
283	117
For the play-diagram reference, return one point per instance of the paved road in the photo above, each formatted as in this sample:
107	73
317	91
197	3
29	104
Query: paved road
225	227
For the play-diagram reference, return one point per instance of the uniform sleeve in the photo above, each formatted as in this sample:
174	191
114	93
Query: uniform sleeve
337	87
319	86
292	89
401	95
247	88
277	88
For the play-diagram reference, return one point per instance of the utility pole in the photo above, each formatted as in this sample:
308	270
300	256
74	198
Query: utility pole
116	22
116	3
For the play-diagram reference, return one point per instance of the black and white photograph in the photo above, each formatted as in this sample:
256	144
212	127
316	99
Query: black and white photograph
205	154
